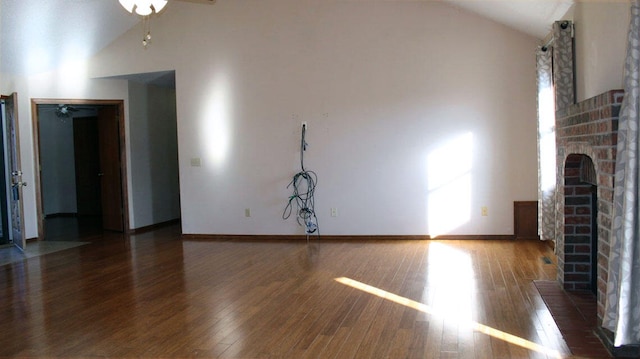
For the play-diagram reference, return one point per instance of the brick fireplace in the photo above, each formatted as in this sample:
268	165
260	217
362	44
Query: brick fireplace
586	138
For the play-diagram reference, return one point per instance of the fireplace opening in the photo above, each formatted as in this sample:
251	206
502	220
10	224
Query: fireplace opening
580	216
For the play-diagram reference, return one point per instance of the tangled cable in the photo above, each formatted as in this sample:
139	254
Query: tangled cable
304	186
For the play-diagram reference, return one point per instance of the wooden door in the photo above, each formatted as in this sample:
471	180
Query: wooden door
11	133
87	163
110	174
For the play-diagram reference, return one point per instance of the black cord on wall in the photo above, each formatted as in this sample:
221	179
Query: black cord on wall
304	186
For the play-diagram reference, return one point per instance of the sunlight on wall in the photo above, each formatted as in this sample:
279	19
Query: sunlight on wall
496	333
451	273
449	185
547	144
215	121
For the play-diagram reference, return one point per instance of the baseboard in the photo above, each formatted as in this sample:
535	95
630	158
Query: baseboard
154	226
243	237
625	351
295	237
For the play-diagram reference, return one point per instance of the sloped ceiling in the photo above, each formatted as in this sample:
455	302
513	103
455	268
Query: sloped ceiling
533	17
39	35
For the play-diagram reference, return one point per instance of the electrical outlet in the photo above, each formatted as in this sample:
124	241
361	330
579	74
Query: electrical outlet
484	211
334	212
247	212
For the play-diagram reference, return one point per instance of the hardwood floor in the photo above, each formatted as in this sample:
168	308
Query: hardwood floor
155	295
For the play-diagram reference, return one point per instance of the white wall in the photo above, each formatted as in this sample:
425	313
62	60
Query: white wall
396	81
600	45
155	191
384	86
58	178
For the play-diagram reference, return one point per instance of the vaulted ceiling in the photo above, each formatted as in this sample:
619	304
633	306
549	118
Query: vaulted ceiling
533	17
36	35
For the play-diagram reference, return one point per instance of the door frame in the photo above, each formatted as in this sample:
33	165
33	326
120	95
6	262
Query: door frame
123	154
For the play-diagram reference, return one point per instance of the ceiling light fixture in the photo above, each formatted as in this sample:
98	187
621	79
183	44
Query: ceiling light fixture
144	8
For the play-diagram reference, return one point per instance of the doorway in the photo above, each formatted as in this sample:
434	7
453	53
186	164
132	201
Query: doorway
81	178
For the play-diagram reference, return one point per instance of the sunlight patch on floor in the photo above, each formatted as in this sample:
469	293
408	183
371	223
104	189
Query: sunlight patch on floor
451	276
510	338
